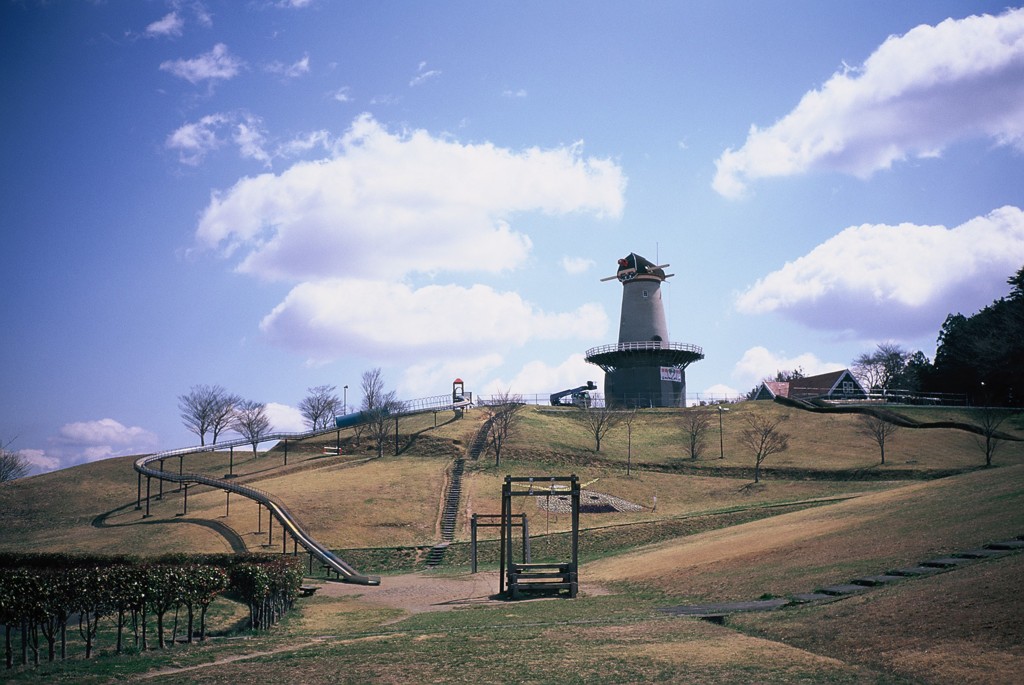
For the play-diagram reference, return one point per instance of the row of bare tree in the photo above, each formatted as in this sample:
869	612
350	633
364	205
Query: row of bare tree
761	435
210	410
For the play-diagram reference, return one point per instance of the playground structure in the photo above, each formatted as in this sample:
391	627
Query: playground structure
643	369
577	397
290	525
494	521
527	576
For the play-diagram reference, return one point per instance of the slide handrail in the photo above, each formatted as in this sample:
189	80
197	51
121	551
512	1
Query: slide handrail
277	508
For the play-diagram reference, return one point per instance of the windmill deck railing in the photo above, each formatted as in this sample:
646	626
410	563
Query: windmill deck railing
642	346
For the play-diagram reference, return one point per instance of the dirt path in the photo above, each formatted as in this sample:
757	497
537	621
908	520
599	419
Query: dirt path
419	592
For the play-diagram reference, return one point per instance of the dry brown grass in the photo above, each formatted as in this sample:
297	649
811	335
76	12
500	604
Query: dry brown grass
959	627
819	441
802	551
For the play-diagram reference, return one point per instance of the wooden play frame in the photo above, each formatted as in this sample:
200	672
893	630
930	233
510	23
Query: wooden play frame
519	577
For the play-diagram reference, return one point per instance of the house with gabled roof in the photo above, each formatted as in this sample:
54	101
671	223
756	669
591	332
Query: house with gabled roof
835	385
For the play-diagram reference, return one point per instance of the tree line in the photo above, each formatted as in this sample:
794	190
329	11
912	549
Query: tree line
210	410
978	357
42	594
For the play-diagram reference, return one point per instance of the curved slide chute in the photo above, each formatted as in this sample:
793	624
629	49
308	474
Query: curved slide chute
277	508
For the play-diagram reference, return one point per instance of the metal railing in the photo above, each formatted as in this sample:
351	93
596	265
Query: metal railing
644	345
278	509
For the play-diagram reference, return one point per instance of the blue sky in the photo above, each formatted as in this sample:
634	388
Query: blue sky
270	196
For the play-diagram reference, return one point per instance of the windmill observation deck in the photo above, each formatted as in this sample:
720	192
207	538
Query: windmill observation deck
644	353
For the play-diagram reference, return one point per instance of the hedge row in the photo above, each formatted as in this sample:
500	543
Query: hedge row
41	594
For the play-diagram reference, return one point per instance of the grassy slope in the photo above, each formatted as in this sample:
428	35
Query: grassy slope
805	550
620	638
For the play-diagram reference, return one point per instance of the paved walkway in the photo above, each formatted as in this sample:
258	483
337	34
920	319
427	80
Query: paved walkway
717	611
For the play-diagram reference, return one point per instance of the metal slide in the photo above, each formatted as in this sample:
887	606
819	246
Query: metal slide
277	508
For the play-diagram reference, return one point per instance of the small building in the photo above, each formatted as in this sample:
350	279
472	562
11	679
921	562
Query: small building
835	385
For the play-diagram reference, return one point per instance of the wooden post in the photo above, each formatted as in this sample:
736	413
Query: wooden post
231	461
286	451
147	497
227	503
259	518
526	540
185	510
472	543
575	534
505	488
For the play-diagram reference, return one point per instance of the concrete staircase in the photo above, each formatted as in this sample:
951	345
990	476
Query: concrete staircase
450	514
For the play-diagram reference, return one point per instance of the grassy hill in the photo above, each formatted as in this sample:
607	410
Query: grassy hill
713	536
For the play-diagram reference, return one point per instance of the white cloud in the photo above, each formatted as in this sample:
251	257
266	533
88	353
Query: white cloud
343	94
300	145
913	97
436	377
218	64
290	71
423	75
250	139
85	441
194	140
327	318
758	363
509	93
106	431
40	460
577	265
538	378
169	25
444	204
285	419
883	281
716	393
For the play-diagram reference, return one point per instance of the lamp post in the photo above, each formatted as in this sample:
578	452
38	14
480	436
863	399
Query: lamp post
721	434
345	409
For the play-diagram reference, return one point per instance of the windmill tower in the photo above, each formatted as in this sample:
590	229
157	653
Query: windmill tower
644	369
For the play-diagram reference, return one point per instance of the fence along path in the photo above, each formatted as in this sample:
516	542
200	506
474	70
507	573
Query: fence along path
275	506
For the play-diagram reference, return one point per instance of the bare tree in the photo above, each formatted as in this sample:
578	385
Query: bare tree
882	369
503	413
877	429
989	421
250	420
207	409
223	413
320	406
763	437
597	421
629	418
696	424
13	464
378	407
